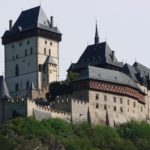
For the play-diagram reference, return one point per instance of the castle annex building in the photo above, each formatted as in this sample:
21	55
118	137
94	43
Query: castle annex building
106	91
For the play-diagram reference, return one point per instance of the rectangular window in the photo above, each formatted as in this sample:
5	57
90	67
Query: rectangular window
49	52
105	98
45	42
25	52
20	44
134	104
40	68
121	109
128	102
114	99
17	87
17	56
141	109
51	43
31	51
97	105
121	101
44	51
115	108
105	106
27	85
97	96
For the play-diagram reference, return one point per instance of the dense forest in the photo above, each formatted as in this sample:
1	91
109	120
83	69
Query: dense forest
55	134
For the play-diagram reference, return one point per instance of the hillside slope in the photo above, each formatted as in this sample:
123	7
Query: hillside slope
55	134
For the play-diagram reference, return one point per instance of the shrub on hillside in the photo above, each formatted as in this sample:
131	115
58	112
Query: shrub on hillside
130	136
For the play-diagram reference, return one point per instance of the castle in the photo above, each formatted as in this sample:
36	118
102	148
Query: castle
106	91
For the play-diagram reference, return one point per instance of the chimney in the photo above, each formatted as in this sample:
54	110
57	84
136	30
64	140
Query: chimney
10	24
113	56
52	21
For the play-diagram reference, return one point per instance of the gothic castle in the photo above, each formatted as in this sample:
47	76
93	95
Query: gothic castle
106	91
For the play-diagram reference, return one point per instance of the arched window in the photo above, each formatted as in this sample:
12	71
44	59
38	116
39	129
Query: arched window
17	70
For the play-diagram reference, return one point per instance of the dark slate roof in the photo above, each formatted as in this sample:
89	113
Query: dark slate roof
144	71
96	55
138	72
32	19
131	71
107	75
4	93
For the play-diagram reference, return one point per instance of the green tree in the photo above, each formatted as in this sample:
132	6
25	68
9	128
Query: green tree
59	88
71	76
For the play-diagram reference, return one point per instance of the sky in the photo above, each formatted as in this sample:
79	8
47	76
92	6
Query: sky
124	24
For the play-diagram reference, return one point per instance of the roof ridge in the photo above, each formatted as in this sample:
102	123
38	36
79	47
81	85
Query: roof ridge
32	8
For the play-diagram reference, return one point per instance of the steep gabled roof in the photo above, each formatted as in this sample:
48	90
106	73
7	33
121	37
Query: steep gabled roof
96	55
4	93
107	75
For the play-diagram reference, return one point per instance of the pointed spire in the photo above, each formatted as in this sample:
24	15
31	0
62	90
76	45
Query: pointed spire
4	93
96	35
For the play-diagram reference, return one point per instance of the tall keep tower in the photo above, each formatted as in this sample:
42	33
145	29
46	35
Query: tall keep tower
31	52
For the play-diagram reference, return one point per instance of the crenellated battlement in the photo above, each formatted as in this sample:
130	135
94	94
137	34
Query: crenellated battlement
16	101
60	101
79	101
63	100
48	109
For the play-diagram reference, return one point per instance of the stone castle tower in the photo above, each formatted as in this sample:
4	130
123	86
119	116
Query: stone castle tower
31	52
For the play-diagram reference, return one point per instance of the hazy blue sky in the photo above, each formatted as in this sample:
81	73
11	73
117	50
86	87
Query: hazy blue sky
125	24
